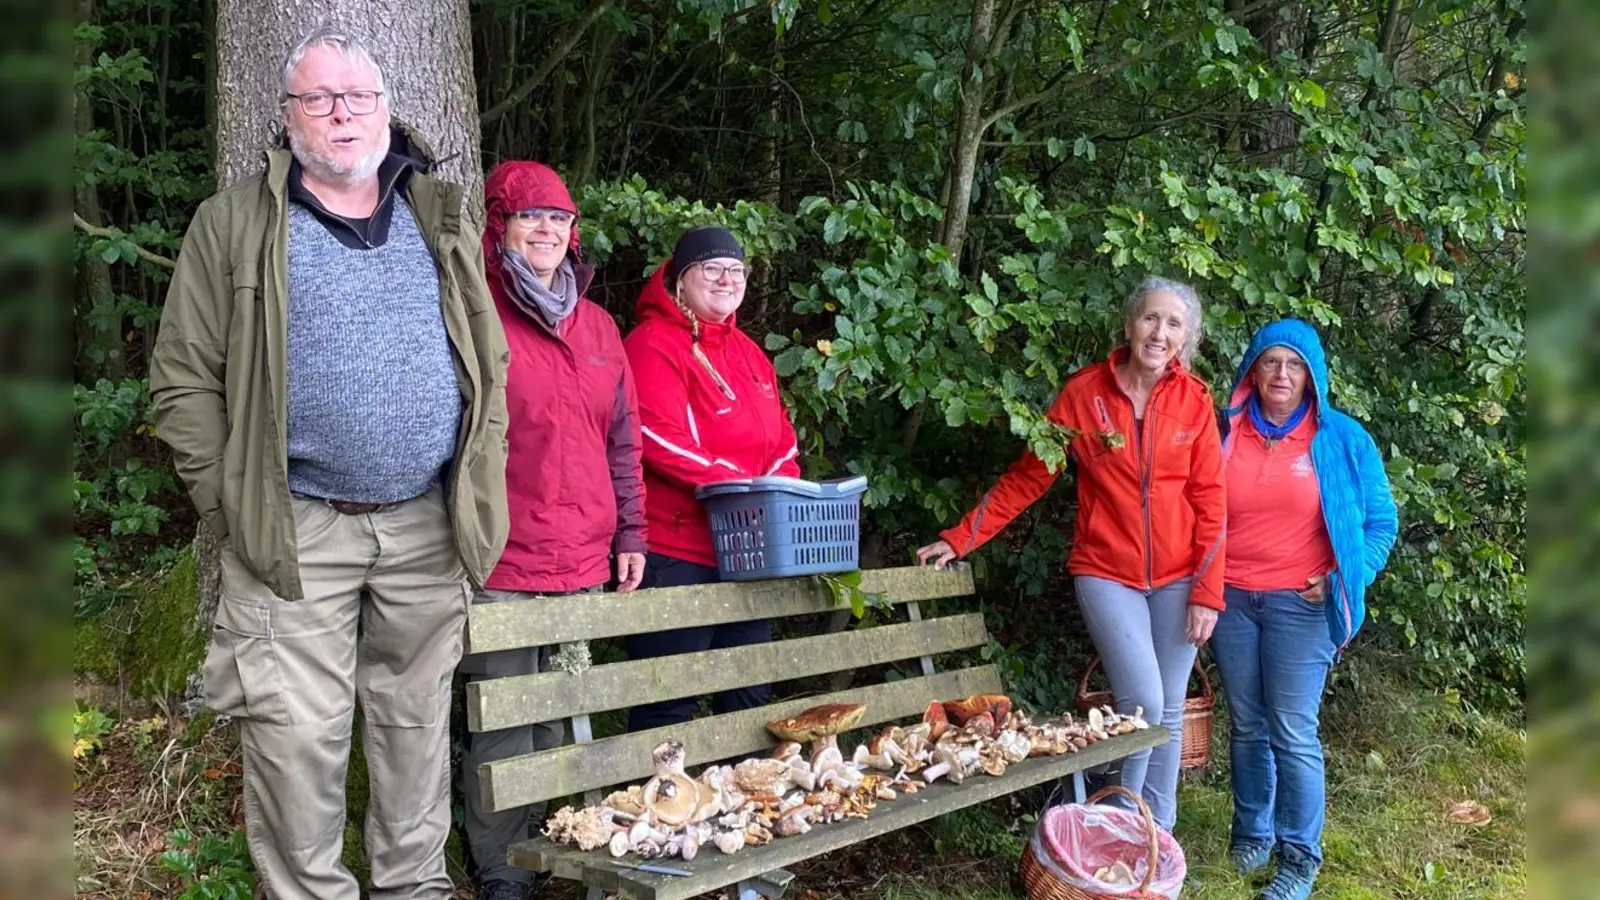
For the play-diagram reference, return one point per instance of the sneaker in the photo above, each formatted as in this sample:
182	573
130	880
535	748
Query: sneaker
1294	879
1250	857
502	890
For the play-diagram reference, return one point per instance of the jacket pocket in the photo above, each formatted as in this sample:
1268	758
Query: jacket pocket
241	673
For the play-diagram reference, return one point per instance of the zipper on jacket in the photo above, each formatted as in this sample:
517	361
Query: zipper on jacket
1140	442
1146	462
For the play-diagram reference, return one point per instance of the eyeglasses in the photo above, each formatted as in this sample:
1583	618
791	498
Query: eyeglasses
318	104
713	272
558	218
1292	365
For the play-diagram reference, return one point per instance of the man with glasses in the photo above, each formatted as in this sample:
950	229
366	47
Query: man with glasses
330	375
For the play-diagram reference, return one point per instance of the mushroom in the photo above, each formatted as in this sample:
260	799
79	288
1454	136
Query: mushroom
995	706
946	763
820	724
729	841
691	844
936	720
916	741
1014	745
671	797
762	776
796	821
786	750
883	753
629	802
993	759
619	844
589	828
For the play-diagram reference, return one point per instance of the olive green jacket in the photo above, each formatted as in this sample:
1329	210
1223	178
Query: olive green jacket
217	380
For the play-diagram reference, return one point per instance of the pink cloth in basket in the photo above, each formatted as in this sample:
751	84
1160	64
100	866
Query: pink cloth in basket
1077	839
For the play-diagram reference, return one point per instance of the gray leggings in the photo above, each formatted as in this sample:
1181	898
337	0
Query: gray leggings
1145	651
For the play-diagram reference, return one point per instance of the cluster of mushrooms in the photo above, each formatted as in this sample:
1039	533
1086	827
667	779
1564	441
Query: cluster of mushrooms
788	792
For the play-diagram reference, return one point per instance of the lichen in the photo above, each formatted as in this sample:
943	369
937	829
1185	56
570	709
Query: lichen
573	658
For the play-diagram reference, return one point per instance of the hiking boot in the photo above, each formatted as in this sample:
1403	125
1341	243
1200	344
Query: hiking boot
502	890
1295	876
1250	857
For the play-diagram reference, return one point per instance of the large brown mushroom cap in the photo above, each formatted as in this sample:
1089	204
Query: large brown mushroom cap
818	721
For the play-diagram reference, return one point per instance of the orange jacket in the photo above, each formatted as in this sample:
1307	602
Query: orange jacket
1150	512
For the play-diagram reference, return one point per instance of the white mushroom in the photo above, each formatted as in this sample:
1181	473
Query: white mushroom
619	844
729	841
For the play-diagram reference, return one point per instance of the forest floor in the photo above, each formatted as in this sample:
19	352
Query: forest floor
157	813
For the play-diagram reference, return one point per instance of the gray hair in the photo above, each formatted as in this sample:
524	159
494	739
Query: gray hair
333	38
1193	310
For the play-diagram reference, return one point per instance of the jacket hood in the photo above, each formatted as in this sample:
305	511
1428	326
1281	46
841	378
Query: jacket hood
1297	336
655	302
521	184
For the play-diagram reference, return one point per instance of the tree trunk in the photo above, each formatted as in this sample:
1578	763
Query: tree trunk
425	50
969	127
100	332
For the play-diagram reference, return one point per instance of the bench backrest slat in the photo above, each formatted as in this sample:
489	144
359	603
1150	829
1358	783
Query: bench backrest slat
572	769
521	700
557	620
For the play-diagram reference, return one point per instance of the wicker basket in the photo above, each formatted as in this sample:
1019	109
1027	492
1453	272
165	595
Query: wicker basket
1198	713
1043	884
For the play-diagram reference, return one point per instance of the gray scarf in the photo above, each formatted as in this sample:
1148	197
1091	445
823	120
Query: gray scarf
548	304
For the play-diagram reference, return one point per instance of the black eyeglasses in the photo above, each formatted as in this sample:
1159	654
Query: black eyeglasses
318	104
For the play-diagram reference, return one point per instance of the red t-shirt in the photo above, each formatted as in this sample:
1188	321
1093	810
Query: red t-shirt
1276	535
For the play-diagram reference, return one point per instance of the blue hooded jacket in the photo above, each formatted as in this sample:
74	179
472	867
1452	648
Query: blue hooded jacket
1357	504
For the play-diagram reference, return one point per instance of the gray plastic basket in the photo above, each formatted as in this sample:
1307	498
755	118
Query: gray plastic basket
775	527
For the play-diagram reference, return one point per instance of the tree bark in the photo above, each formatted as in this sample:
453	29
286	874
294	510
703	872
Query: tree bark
969	127
100	332
425	50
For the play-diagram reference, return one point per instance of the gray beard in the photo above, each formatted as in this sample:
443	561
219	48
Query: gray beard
327	170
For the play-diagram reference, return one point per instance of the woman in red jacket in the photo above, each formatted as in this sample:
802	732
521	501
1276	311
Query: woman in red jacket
1147	553
573	470
709	410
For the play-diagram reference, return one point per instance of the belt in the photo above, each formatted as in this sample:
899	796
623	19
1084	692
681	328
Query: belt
350	508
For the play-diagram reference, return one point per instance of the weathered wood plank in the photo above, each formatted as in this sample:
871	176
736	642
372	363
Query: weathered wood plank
713	870
565	771
522	699
555	620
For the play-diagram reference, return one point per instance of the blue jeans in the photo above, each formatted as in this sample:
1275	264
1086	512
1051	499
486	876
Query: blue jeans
1273	651
1142	638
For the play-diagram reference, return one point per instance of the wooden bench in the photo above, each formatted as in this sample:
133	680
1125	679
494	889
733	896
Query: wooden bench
587	766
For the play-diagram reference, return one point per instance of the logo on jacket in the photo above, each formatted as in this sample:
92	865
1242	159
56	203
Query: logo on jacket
1301	467
1184	436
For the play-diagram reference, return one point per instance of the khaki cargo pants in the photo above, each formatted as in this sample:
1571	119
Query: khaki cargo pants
386	600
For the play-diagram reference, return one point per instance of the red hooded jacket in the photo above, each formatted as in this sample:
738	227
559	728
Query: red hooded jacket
1150	506
693	433
573	473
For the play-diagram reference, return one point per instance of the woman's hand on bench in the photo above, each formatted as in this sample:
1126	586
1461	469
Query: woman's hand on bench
940	552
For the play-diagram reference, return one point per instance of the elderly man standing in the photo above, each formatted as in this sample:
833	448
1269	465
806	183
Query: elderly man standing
330	375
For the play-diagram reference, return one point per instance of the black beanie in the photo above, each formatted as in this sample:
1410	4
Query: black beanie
700	244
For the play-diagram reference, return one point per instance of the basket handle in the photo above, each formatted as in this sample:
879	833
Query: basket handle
1206	690
1154	848
1083	680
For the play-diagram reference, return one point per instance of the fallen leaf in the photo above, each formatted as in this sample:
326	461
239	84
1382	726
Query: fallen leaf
1468	812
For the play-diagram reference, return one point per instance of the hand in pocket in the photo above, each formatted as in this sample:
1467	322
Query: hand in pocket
1313	591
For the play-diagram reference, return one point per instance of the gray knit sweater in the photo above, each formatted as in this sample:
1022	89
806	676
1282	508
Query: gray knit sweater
373	399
